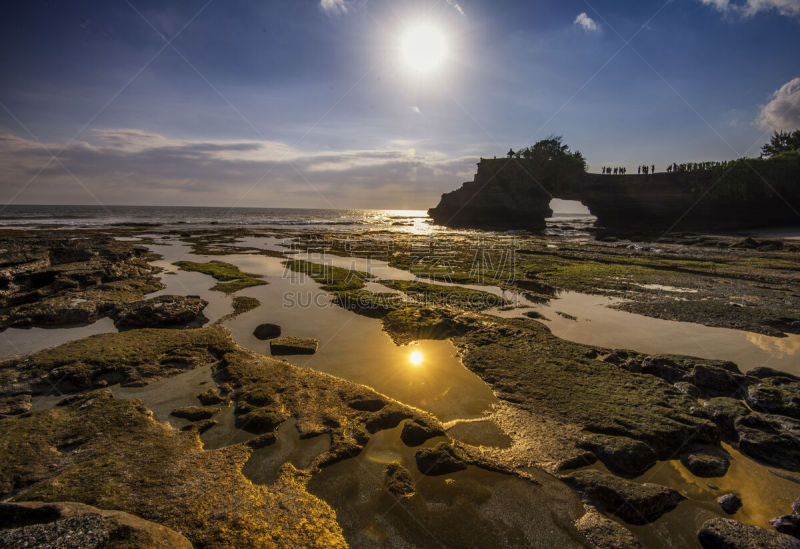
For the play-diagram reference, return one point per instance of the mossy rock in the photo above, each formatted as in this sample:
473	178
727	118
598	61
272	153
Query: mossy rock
195	413
113	454
290	345
450	296
633	502
131	357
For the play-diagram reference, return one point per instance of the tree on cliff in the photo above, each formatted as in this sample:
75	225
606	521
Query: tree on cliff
553	149
782	142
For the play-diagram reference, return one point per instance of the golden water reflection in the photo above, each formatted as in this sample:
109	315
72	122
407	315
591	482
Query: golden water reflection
415	358
780	346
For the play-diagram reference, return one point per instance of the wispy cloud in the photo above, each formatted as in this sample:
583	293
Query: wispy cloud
783	111
789	8
456	6
333	6
588	24
129	166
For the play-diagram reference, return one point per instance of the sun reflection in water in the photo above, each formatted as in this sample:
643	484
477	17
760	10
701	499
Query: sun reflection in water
415	358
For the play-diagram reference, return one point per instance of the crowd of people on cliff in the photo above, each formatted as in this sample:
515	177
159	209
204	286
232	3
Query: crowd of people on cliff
696	166
691	167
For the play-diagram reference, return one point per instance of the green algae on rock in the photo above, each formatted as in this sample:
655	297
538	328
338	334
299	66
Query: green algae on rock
230	278
111	453
290	345
330	277
134	357
450	296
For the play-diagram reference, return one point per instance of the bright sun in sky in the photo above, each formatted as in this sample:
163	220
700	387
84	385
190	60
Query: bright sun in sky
415	358
423	47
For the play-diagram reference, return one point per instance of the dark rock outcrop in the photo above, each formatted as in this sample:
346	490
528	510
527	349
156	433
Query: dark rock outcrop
515	194
267	331
787	524
722	533
633	502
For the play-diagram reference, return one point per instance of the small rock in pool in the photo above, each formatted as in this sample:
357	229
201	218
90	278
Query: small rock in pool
415	432
398	480
210	397
267	331
439	460
195	413
289	345
534	315
705	464
730	503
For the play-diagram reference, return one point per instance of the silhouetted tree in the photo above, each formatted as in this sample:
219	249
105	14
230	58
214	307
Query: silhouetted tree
510	153
782	142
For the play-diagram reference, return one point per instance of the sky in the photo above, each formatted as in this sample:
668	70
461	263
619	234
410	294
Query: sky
316	103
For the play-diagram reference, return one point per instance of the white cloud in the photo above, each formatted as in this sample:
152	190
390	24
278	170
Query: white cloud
129	166
783	111
333	6
789	8
588	24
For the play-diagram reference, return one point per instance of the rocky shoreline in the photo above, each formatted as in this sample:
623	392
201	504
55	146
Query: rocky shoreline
593	418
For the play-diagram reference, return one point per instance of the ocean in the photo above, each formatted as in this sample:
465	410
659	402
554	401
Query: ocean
402	221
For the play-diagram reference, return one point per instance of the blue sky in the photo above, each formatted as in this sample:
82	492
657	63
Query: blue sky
309	103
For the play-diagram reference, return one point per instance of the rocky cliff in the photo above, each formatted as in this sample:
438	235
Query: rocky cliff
512	194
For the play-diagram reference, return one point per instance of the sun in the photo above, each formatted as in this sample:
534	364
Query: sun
423	47
415	358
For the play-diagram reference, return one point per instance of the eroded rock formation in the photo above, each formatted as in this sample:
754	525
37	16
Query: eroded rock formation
512	194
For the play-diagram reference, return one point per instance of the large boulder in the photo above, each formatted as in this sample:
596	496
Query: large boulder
632	502
724	411
771	439
623	455
708	461
724	533
775	395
